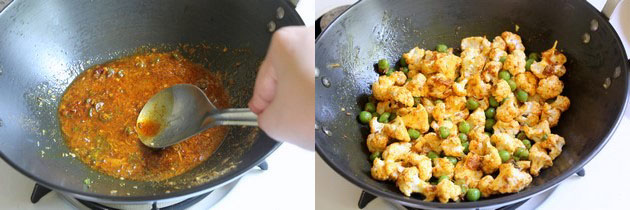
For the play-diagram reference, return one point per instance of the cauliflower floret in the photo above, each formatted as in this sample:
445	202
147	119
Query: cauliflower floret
508	110
511	127
385	170
501	90
523	165
414	58
459	88
472	62
427	65
380	88
513	41
538	132
455	103
429	142
491	160
408	181
526	82
468	170
561	103
477	88
442	167
541	69
447	190
375	126
540	159
529	113
428	105
484	186
415	117
452	146
477	119
396	129
401	95
476	42
479	142
506	142
448	65
385	106
377	142
552	115
515	62
554	57
396	151
498	43
422	163
439	86
554	144
439	112
491	71
510	179
496	54
549	87
416	85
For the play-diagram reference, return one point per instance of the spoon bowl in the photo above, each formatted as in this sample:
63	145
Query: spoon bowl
182	111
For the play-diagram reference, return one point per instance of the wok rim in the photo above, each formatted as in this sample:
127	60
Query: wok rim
502	200
162	196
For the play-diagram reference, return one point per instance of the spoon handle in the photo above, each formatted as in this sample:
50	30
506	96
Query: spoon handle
235	116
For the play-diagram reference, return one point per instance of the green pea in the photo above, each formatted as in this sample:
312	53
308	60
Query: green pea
527	143
384	118
392	116
528	64
473	194
464	127
521	153
472	104
365	117
416	101
383	65
465	145
452	159
490	123
490	112
505	155
432	155
438	101
413	133
405	70
389	72
505	75
493	102
545	137
441	48
442	178
369	107
521	135
534	56
462	137
521	95
502	59
444	132
403	62
512	84
375	155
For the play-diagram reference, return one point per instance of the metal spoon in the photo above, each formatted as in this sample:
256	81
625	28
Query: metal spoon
181	111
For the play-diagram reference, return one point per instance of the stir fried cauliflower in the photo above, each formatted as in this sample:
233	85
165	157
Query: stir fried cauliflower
478	123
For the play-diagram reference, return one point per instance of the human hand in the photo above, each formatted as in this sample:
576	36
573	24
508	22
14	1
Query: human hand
284	94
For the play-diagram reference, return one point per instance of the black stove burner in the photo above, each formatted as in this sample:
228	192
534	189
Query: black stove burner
40	191
367	198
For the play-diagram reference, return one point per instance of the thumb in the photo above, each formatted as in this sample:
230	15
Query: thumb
265	87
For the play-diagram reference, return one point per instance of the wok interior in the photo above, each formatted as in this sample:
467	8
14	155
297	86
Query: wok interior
45	45
377	29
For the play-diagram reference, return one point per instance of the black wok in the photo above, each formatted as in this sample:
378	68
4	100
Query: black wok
44	45
374	29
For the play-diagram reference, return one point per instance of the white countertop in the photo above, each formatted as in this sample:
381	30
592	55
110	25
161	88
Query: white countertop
603	187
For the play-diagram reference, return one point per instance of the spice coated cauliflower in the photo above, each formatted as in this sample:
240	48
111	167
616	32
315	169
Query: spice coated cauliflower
462	127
